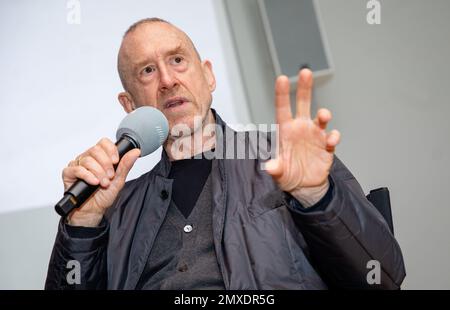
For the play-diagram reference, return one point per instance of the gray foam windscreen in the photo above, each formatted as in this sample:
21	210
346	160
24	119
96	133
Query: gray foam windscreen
147	126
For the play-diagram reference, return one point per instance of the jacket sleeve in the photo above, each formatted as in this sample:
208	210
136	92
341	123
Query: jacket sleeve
350	237
78	259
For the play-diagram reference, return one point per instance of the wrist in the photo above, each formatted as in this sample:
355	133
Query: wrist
309	196
78	219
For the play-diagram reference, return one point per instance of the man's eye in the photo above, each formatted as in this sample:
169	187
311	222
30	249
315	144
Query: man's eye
148	70
178	60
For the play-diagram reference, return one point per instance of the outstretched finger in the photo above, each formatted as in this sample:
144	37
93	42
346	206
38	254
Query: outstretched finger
333	139
323	118
282	100
304	93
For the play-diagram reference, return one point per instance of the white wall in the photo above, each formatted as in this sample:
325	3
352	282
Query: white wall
58	90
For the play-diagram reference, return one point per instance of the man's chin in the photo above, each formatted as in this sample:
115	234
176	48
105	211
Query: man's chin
184	125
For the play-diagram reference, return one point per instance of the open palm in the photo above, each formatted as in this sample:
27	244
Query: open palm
306	150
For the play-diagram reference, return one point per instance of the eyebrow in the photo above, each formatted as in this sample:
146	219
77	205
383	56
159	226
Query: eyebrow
179	49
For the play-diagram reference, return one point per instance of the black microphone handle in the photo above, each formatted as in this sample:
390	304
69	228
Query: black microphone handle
80	191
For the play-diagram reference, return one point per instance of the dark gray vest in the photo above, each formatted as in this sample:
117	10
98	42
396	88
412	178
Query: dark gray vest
183	255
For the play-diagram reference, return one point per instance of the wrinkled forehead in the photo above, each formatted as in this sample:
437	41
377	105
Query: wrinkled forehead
155	40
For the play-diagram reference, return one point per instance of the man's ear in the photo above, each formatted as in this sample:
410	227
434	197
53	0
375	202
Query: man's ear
127	102
209	75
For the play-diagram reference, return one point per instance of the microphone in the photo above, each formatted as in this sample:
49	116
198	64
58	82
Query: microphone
145	128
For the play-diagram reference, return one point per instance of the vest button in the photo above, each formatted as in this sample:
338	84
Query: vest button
164	194
187	228
183	268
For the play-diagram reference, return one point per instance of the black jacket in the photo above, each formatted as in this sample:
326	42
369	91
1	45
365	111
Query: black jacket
261	240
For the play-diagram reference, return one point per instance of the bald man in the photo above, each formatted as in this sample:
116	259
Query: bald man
197	221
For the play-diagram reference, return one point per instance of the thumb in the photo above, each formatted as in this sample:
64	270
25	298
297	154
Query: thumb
126	163
274	167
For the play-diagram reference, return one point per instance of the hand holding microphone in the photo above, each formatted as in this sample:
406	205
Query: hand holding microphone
94	179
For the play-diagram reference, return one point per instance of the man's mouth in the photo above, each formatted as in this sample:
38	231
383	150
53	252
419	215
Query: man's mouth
175	102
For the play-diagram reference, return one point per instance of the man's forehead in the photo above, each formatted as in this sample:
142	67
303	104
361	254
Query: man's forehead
158	37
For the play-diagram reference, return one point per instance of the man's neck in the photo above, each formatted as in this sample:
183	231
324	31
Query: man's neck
200	141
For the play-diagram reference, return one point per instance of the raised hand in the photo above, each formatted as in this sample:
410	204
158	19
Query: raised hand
306	150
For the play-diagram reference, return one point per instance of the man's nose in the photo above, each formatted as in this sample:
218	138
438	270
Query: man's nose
167	79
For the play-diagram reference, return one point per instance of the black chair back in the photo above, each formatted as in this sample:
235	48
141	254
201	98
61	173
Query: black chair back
381	200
